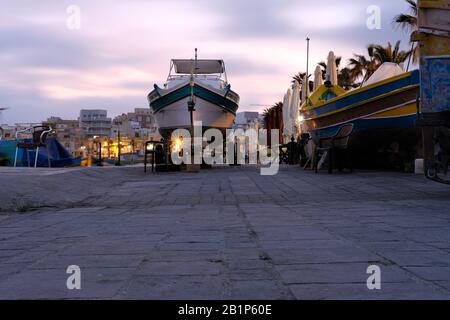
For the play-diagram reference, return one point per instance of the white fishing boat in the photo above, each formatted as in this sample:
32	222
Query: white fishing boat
201	84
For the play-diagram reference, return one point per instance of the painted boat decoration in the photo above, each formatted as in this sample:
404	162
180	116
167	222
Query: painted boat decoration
390	103
205	82
382	113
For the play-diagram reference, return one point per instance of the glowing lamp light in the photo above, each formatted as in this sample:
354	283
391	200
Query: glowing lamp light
301	118
150	147
177	144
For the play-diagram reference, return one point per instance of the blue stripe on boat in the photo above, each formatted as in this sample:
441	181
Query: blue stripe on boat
413	79
366	124
200	92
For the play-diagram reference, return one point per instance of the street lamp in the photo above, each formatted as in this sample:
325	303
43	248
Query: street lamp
118	163
150	148
98	142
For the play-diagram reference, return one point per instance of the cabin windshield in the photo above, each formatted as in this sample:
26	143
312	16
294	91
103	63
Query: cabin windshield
186	66
209	72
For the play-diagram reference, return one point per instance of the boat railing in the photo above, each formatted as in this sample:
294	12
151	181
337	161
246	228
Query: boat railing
215	81
198	76
232	96
19	133
39	136
30	132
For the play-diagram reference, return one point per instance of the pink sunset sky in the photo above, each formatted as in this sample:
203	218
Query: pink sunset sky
124	47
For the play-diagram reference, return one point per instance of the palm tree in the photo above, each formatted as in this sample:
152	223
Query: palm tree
346	80
266	115
359	66
298	77
269	114
389	54
324	66
409	23
362	66
278	105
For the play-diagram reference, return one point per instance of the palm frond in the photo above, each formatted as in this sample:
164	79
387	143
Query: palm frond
406	22
298	77
413	7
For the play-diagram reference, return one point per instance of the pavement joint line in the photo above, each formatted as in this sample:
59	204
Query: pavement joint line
245	210
264	256
410	274
122	291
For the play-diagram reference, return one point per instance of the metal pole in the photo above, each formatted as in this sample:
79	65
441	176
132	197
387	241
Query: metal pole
191	106
119	153
410	56
100	161
145	158
307	68
153	159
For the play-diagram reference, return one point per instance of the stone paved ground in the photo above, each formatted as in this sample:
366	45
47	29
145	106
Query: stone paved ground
224	233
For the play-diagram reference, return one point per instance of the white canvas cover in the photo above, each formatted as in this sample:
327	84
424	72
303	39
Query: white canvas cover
332	69
287	128
318	80
295	105
184	66
385	71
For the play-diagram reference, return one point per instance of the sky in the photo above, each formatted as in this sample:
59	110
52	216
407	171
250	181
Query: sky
50	67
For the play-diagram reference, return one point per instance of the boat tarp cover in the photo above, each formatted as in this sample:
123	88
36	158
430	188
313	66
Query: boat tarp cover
385	71
59	156
185	66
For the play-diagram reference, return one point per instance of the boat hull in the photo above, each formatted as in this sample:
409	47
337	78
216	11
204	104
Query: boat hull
384	117
396	116
389	104
212	109
176	115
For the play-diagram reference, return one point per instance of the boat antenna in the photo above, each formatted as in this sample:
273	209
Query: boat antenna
410	56
196	61
193	72
191	104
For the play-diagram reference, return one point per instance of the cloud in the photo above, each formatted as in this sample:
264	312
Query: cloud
44	48
123	47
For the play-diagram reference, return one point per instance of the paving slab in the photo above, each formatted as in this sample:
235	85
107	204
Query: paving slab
222	233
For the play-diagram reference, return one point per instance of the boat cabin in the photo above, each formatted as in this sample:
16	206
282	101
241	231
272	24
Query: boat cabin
207	71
